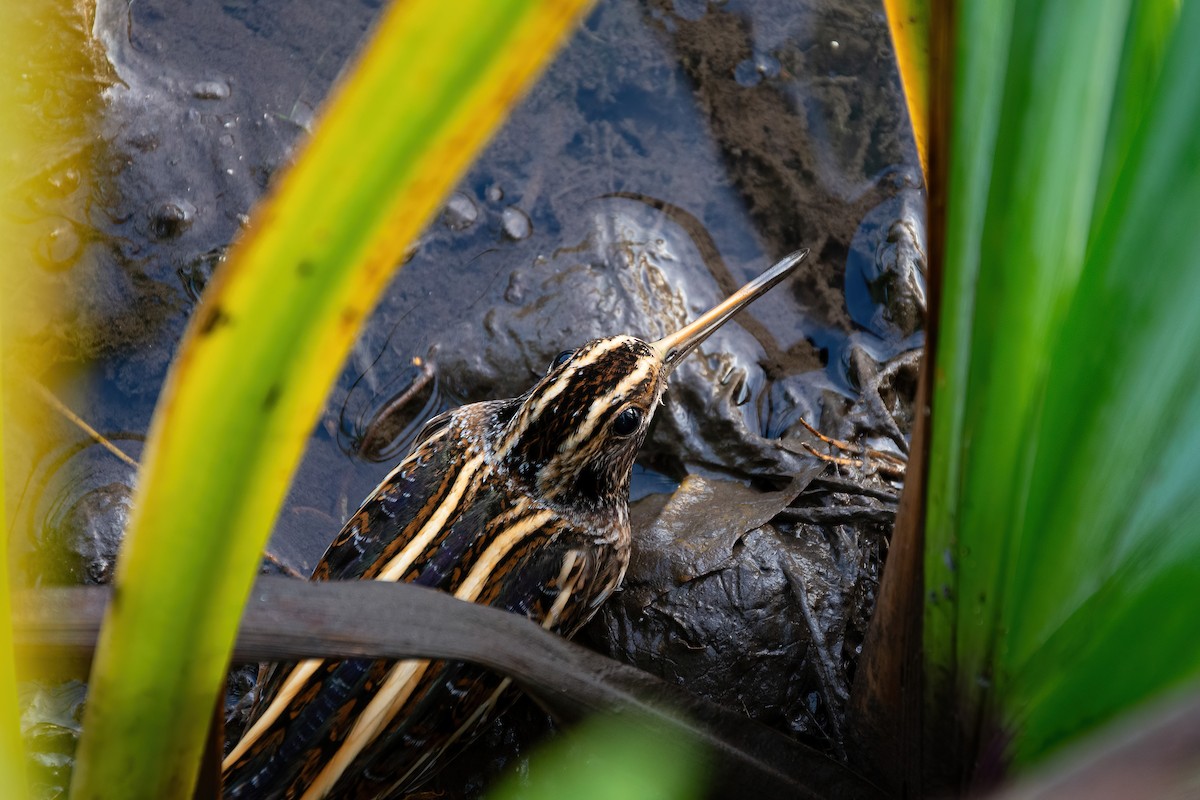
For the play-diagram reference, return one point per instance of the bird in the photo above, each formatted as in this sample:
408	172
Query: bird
520	504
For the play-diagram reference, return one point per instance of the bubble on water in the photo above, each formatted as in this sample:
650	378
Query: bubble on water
460	212
768	65
517	224
59	247
746	74
494	193
171	218
752	71
64	182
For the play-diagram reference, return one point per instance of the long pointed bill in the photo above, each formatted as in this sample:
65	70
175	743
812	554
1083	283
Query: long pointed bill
673	347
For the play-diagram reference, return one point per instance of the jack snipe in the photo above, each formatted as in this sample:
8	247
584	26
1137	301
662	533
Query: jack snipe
520	504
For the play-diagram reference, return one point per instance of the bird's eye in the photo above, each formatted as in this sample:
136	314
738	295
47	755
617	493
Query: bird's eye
627	422
561	359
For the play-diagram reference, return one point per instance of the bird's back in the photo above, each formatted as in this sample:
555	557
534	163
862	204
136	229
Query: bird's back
449	517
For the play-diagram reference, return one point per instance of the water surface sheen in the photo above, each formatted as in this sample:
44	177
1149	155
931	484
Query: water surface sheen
672	151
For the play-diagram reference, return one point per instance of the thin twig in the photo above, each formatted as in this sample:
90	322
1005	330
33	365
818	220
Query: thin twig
887	464
78	421
107	444
284	567
837	485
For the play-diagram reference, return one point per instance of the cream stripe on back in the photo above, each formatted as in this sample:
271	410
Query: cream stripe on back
400	564
483	708
397	686
566	588
283	698
470	588
402	679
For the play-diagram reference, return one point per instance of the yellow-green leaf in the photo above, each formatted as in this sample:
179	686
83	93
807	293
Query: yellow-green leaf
12	760
260	355
908	21
48	81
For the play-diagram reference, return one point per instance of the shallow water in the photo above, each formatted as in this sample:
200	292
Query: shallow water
670	153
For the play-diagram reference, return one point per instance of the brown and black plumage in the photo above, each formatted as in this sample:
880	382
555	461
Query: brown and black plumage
520	504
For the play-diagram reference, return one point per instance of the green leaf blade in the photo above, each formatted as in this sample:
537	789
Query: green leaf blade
1062	491
1115	478
1045	168
978	86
